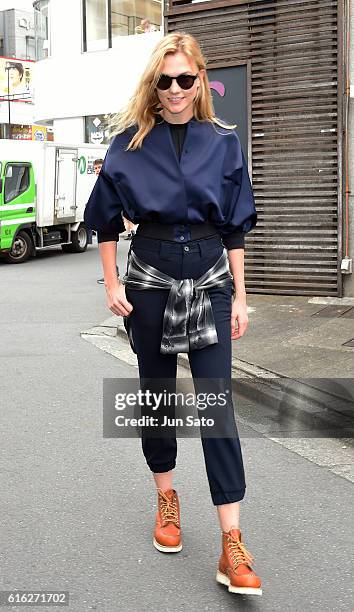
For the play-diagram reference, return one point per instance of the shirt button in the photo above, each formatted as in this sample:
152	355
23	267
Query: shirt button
181	237
186	248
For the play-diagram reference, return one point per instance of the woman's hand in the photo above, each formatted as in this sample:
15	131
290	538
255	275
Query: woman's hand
239	314
117	301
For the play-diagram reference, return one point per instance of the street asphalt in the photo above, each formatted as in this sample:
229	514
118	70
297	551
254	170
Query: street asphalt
77	510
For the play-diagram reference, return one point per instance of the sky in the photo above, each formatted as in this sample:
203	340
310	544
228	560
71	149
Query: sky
26	5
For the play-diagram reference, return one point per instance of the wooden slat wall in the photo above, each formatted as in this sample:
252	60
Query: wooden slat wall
296	145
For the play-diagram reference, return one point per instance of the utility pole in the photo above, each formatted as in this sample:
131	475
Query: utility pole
8	102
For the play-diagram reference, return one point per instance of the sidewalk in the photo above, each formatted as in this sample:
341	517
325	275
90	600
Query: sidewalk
294	357
299	337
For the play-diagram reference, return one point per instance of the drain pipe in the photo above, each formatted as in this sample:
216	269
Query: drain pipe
347	262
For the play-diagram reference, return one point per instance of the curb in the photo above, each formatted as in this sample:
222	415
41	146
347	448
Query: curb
294	398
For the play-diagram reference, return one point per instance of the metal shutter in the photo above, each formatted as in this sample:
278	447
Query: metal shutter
292	46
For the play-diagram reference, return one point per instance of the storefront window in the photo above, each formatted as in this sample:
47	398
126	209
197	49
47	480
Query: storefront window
96	129
135	17
95	25
104	21
42	28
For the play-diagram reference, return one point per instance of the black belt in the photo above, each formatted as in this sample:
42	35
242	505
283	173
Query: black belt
176	232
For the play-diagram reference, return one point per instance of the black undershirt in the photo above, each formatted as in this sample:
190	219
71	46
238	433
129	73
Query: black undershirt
178	132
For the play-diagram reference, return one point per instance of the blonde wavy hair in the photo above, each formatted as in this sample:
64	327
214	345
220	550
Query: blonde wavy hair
144	104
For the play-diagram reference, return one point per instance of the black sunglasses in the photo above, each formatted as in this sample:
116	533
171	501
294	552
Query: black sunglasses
185	81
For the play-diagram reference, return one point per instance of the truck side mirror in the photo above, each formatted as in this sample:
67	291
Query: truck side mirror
0	185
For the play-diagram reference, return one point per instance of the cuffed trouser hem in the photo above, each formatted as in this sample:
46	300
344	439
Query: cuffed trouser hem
227	497
165	467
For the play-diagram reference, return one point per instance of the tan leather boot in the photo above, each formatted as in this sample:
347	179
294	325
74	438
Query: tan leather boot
234	568
167	534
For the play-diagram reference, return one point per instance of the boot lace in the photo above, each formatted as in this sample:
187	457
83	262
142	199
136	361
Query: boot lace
168	509
239	554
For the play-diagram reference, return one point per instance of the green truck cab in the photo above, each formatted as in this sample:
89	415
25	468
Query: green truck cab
17	210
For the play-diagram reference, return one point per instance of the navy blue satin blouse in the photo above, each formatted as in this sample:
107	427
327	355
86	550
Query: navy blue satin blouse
187	174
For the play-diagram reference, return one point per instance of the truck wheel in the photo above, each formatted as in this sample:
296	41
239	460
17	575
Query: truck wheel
79	241
22	249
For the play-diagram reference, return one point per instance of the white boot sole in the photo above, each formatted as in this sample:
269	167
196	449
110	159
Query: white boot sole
172	549
223	579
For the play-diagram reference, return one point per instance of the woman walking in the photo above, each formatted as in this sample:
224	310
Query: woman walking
179	172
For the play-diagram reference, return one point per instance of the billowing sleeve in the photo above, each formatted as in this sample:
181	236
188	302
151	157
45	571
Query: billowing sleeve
103	209
239	209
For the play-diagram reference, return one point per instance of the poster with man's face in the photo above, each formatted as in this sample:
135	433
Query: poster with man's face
16	79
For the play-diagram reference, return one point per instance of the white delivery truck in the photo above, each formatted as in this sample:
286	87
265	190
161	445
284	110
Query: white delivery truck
44	187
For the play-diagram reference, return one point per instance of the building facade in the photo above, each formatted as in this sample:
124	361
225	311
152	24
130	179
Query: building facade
17	68
90	73
17	37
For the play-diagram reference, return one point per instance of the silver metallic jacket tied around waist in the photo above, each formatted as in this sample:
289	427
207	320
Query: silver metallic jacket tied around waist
188	321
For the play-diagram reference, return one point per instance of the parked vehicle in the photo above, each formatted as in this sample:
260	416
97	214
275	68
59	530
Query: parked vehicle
44	187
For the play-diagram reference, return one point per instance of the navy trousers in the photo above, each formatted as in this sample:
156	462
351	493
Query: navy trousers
223	456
